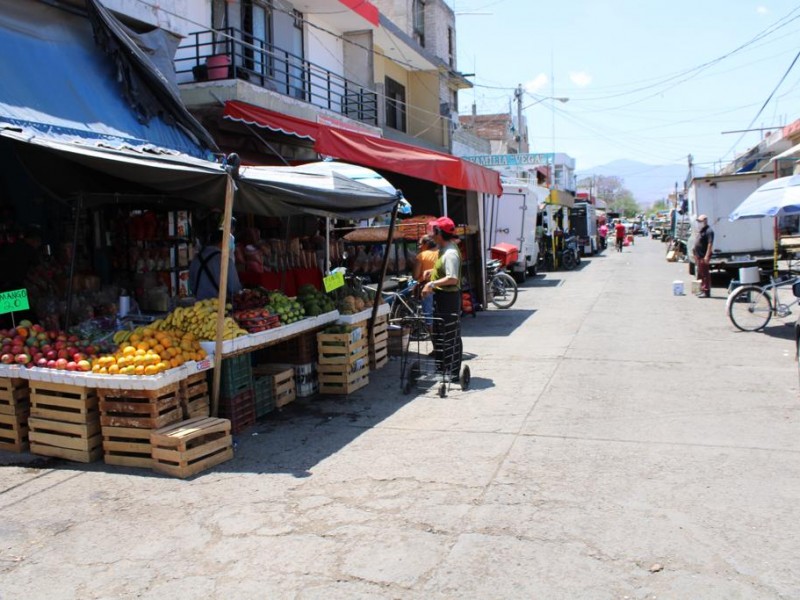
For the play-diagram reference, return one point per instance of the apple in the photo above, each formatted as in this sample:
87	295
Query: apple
62	353
22	331
18	340
5	348
61	364
7	358
45	348
37	328
41	362
78	356
72	350
17	349
52	335
73	338
51	355
90	350
31	341
72	366
51	364
42	336
84	365
22	359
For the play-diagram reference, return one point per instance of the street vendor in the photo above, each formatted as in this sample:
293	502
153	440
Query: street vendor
423	267
205	269
445	286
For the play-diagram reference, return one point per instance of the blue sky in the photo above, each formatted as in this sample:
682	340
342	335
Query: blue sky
648	81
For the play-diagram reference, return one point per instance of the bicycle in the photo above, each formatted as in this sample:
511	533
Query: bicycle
501	289
750	307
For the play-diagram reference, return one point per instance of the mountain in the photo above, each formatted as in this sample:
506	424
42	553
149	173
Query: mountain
648	183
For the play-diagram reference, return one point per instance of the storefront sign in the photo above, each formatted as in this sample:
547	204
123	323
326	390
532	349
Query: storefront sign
333	281
511	160
13	301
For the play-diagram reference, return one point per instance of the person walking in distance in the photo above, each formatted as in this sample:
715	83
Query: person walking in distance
619	234
703	248
445	285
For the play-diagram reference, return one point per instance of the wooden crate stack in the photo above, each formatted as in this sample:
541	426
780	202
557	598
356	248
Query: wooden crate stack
195	400
237	397
282	382
64	422
189	447
343	364
15	408
379	350
128	417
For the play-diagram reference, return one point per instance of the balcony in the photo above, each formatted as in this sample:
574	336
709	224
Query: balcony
207	55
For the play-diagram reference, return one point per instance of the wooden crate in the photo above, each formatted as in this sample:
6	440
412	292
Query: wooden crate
240	410
333	379
14	432
80	442
189	447
284	389
146	409
14	396
127	446
340	349
194	397
65	403
379	351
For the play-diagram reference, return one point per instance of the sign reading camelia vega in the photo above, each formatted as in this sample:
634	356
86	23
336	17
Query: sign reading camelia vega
511	160
13	301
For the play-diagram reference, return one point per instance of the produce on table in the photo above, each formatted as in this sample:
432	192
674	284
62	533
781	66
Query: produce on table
149	351
353	299
314	301
256	319
251	299
31	345
287	309
199	320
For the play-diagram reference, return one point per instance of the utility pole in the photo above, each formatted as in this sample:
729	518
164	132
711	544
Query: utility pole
518	97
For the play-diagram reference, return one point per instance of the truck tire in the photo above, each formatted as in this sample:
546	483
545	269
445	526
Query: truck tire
519	276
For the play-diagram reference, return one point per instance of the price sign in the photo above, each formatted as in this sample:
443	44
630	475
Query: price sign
14	301
333	281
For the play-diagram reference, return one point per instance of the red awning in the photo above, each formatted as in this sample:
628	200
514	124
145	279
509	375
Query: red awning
370	151
364	8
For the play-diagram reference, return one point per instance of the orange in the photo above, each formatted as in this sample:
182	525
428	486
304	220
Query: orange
103	371
150	370
139	370
166	342
95	367
158	349
147	332
128	350
113	370
135	338
163	366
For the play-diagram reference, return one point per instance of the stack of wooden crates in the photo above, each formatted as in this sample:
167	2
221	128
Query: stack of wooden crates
343	364
15	408
379	347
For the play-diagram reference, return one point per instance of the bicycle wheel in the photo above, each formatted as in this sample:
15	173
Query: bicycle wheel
750	308
503	290
568	260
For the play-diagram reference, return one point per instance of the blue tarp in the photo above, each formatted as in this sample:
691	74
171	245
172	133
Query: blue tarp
58	84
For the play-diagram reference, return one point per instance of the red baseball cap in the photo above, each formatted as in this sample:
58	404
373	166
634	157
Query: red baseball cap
445	225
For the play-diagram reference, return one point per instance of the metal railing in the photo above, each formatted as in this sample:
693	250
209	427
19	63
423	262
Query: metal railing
263	64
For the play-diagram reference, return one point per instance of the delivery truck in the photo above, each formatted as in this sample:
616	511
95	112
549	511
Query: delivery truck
742	243
511	219
583	219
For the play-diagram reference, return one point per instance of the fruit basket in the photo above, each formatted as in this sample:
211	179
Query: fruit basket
255	320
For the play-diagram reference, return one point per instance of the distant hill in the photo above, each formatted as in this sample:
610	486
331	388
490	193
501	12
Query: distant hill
648	183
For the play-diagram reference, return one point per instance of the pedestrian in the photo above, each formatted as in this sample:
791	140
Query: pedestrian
703	247
423	267
619	234
445	287
204	271
602	231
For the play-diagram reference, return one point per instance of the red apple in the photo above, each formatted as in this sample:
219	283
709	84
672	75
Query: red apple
46	348
17	349
62	353
18	340
90	350
37	328
51	364
6	348
51	355
41	362
60	344
7	358
73	338
84	365
61	364
72	366
78	356
52	335
22	359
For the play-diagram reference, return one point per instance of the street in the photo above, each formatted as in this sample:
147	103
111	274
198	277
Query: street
617	442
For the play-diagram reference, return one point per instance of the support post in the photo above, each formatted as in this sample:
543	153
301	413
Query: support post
444	201
384	266
223	293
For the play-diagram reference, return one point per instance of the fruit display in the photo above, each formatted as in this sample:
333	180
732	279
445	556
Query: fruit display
149	351
354	299
31	345
287	309
256	319
250	299
314	301
200	320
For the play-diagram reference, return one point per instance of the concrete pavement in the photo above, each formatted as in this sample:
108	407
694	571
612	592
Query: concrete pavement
617	442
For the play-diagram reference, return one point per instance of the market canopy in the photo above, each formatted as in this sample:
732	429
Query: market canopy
372	151
773	199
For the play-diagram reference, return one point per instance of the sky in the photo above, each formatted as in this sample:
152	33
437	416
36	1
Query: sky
647	80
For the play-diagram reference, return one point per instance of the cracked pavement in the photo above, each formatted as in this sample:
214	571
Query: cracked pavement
610	427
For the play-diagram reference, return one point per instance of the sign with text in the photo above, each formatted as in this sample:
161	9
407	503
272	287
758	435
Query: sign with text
333	281
511	160
13	301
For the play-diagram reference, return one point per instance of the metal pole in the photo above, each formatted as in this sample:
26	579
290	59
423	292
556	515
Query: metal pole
327	246
520	149
444	200
223	294
384	266
73	258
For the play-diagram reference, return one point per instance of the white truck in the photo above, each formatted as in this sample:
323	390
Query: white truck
511	219
742	243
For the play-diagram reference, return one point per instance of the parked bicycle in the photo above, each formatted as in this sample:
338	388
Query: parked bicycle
750	307
570	255
501	289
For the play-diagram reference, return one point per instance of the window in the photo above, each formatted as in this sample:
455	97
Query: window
395	105
219	22
257	26
451	47
418	24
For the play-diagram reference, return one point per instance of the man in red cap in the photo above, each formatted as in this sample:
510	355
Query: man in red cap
445	285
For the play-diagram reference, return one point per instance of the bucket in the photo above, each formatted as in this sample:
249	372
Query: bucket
750	275
677	288
218	66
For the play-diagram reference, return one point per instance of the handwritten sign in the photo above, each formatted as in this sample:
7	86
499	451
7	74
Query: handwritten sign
333	281
14	301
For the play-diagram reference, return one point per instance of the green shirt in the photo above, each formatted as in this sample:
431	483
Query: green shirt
447	265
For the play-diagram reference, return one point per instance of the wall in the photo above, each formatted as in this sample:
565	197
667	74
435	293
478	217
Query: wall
424	120
191	9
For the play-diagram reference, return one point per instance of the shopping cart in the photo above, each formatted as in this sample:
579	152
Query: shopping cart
428	361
